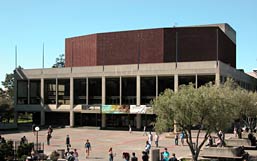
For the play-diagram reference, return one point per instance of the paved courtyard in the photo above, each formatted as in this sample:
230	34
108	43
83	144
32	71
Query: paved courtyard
101	141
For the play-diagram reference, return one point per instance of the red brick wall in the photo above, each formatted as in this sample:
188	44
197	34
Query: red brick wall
154	45
124	47
81	51
196	44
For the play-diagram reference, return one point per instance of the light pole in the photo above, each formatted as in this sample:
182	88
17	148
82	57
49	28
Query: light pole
37	129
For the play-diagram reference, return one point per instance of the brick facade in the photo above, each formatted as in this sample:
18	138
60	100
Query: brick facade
183	44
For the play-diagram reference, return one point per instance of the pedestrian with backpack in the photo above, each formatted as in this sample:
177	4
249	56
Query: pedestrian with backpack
88	148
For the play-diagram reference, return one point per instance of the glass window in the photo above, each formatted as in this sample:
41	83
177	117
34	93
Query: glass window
129	90
50	91
94	91
148	89
63	91
22	92
80	90
165	82
186	80
34	92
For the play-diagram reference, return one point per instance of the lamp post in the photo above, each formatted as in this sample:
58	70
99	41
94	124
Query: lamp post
37	129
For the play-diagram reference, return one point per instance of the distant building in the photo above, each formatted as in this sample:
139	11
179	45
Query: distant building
253	73
109	79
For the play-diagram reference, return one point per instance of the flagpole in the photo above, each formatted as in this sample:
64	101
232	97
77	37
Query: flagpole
43	57
15	56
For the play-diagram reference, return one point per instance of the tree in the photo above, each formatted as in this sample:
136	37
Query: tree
59	62
9	85
6	151
6	98
207	108
245	104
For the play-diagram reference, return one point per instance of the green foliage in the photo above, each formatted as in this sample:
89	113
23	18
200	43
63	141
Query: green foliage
59	62
6	98
6	110
6	151
209	107
9	85
24	149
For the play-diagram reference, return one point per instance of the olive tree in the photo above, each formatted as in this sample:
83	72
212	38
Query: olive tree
208	107
245	103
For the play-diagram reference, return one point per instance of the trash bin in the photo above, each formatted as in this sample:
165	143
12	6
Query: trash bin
155	155
61	152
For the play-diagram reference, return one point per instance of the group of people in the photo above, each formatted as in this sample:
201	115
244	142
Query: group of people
166	156
73	155
180	136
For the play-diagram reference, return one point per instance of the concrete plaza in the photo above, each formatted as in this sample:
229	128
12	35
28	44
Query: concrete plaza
101	141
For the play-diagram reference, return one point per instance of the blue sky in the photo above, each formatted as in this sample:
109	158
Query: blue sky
30	23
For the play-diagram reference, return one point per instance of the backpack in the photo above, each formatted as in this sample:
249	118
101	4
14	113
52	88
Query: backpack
87	145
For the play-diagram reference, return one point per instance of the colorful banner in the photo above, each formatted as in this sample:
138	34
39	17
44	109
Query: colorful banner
115	109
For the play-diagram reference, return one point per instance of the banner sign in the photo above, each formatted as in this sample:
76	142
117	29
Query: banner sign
140	109
115	109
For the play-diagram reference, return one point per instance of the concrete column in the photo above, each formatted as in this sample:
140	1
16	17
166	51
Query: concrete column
217	78
175	82
56	92
71	102
42	113
103	120
139	120
28	91
71	118
217	75
42	96
120	90
103	102
42	117
138	90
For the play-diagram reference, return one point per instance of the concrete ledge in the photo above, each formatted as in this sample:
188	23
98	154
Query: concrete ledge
222	152
238	142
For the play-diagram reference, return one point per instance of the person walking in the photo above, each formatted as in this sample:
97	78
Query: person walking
176	139
145	156
150	138
110	153
88	148
134	158
144	131
147	147
76	155
166	155
68	143
130	129
50	129
173	158
48	137
156	140
33	129
182	137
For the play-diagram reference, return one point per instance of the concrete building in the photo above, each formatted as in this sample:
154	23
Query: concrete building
109	79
